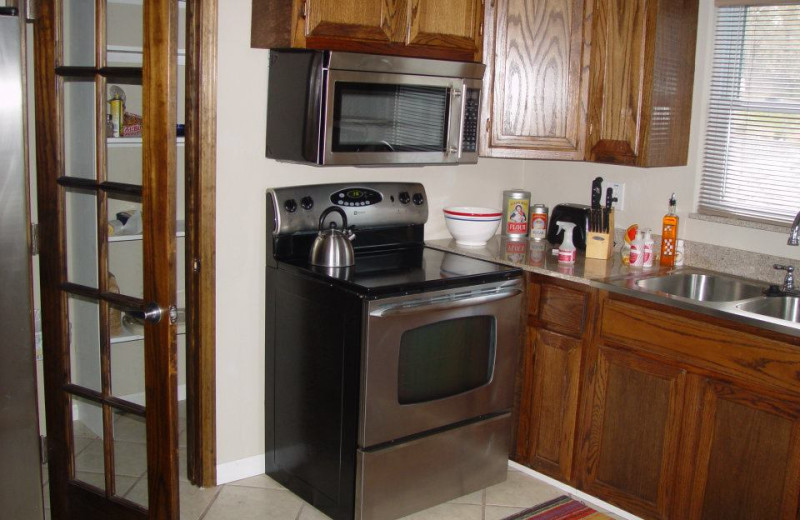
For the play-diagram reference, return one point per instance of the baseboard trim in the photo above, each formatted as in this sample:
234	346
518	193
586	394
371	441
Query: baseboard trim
583	497
242	468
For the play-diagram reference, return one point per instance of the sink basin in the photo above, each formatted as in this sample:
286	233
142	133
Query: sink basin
702	287
784	307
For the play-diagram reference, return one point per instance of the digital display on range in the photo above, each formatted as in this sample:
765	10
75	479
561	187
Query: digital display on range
356	197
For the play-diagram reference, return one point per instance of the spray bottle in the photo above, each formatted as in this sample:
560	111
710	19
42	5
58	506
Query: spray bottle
566	251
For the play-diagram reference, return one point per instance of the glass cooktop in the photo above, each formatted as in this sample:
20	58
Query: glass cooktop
410	269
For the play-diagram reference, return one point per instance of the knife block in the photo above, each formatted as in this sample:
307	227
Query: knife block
601	245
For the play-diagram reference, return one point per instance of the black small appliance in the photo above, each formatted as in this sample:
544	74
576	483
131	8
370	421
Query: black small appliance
578	214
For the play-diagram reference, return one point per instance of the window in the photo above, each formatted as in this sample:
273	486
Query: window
751	168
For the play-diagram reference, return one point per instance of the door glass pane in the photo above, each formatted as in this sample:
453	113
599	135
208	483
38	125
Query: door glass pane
81	237
130	457
127	365
124	158
87	430
124	33
445	358
79	128
385	118
84	342
125	245
78	31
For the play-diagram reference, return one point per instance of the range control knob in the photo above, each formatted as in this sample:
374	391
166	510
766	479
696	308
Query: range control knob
307	202
418	199
404	197
290	205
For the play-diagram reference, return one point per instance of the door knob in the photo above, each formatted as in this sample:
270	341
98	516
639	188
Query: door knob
151	313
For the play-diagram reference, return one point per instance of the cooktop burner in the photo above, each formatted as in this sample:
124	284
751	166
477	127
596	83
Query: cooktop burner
408	269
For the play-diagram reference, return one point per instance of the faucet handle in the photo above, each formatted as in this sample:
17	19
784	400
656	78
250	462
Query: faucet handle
788	281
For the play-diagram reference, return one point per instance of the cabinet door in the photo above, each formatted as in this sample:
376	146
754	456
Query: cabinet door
642	73
747	459
545	437
379	22
451	24
630	431
537	65
550	379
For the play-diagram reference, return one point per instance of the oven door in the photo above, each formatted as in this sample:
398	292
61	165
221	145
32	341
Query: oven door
382	118
436	359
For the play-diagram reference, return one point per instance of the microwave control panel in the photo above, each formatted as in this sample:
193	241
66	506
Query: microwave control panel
469	139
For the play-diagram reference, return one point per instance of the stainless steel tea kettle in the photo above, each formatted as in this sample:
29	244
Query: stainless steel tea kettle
332	247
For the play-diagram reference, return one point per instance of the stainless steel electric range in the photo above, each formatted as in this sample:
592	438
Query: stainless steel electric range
389	384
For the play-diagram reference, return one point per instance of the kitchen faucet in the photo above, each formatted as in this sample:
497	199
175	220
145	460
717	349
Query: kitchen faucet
793	233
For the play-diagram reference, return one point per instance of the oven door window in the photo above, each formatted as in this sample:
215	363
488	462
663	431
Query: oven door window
374	117
445	358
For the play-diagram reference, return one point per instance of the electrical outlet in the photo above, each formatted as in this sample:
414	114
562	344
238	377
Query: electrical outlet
618	193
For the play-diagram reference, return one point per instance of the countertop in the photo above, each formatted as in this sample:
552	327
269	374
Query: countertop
612	275
537	257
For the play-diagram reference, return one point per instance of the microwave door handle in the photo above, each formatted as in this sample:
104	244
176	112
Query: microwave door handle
436	304
457	104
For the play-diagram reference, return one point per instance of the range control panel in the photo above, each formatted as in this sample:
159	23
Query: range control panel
374	204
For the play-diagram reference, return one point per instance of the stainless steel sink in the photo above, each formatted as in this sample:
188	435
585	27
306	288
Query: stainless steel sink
781	307
702	287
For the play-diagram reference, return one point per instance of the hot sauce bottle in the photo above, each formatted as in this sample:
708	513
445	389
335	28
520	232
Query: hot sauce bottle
669	234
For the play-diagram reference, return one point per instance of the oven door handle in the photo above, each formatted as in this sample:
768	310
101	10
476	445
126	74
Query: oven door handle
440	304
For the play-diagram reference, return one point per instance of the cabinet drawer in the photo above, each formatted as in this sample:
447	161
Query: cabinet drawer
711	347
558	309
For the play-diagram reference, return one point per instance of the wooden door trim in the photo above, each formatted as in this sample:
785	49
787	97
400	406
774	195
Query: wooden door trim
51	267
201	159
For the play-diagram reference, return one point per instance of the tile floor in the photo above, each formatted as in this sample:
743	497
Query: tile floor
262	498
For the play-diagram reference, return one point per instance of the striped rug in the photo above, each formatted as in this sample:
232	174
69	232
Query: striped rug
561	508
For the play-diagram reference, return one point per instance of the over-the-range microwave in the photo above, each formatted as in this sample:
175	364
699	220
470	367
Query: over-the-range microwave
341	108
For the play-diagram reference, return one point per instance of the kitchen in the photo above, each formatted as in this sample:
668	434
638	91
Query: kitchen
244	174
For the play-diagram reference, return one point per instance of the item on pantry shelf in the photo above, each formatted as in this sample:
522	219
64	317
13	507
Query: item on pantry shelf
115	227
566	251
516	213
116	109
637	251
649	243
680	253
539	222
669	234
131	125
114	313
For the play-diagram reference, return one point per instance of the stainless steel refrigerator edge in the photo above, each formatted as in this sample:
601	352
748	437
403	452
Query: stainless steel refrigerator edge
20	482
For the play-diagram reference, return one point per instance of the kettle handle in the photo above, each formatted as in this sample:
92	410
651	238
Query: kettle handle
328	212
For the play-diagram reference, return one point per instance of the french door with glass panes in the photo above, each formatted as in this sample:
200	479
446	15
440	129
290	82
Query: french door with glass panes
108	224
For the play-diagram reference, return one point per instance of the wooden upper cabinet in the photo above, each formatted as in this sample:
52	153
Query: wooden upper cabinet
642	78
443	29
447	24
598	80
537	79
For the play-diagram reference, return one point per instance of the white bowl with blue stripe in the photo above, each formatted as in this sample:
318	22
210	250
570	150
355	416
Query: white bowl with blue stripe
472	225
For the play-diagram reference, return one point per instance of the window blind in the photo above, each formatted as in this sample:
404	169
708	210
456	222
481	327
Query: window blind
751	166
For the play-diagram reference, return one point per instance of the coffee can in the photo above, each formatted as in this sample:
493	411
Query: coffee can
516	213
539	222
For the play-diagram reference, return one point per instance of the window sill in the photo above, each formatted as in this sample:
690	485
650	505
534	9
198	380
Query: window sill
763	226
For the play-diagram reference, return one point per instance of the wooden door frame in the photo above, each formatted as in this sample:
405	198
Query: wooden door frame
201	160
200	241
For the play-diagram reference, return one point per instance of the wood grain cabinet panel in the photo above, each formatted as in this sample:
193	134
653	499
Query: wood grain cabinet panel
443	29
746	459
537	77
642	72
630	431
550	376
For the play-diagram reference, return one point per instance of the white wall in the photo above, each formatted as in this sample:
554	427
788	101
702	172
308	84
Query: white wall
243	175
647	190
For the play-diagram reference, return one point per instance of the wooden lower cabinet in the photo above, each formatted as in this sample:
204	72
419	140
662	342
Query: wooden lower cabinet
630	435
548	406
742	458
664	413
